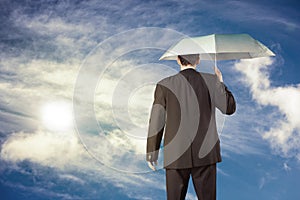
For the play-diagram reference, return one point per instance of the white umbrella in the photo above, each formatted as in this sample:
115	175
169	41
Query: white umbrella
219	47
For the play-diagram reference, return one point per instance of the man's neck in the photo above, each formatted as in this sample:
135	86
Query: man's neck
183	67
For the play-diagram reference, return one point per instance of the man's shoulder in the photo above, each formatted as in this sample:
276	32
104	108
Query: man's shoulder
168	79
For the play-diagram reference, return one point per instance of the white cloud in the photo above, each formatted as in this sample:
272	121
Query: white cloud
253	12
45	25
53	149
235	138
262	183
72	178
33	84
266	179
220	171
63	151
286	167
43	81
284	130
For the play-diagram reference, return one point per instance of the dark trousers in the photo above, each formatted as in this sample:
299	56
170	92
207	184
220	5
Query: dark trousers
204	181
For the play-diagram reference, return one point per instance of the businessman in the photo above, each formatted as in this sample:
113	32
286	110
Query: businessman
184	110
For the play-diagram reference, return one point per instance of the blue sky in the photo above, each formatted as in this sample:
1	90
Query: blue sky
97	62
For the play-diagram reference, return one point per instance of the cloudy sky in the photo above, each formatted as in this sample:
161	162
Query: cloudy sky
76	88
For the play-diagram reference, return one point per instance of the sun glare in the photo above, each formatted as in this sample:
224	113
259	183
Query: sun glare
57	116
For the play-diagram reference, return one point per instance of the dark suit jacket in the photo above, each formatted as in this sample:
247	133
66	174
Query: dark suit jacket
184	108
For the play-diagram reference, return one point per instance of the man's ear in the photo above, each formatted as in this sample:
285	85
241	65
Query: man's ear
178	61
198	62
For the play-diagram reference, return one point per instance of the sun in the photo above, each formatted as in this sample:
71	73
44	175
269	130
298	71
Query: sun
57	116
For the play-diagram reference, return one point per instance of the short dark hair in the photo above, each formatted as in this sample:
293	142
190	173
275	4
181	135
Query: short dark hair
189	59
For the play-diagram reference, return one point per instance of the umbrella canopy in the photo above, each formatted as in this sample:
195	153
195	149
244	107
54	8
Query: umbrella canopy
219	47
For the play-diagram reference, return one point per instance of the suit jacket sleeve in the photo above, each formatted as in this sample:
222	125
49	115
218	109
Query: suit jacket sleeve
224	100
156	124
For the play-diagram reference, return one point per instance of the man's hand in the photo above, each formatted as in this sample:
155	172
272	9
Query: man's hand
219	74
152	165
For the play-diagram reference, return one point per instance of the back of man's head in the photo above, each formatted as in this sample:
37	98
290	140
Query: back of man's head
190	59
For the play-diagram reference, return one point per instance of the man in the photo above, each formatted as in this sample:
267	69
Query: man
184	107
